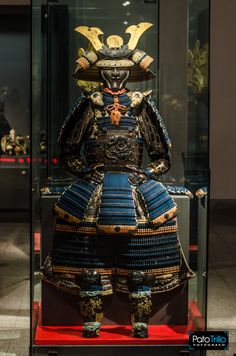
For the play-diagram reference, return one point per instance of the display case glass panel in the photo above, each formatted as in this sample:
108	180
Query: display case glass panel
178	41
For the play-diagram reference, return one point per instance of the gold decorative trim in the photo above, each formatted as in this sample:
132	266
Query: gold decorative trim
83	62
145	62
165	217
117	229
156	271
77	270
159	231
163	272
138	55
66	216
76	229
110	63
146	231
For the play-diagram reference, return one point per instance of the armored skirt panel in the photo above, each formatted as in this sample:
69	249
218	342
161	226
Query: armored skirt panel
116	228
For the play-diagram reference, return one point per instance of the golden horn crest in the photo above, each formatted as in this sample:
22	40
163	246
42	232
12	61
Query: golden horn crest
92	34
136	32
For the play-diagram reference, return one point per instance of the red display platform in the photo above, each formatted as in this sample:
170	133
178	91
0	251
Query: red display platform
112	335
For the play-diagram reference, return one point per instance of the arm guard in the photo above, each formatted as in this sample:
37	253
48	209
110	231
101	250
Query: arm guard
156	139
72	136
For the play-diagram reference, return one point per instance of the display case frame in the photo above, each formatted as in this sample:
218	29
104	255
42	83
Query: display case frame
184	104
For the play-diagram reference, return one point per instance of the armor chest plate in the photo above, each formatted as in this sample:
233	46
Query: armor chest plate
115	145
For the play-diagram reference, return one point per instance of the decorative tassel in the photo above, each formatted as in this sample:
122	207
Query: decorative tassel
115	111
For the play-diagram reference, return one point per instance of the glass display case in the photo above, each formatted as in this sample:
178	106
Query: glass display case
178	41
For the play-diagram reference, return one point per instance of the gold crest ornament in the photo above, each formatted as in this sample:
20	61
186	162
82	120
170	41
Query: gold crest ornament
136	32
114	41
92	34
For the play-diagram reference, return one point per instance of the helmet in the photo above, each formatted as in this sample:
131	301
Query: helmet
113	54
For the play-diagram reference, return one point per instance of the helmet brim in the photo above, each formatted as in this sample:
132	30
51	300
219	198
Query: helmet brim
92	74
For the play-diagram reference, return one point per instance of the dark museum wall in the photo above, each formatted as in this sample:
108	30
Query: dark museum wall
223	89
13	73
14	2
15	105
15	65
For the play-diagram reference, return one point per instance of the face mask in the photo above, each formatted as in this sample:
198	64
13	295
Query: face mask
114	78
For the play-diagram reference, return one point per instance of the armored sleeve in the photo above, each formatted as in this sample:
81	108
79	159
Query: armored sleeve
72	136
156	139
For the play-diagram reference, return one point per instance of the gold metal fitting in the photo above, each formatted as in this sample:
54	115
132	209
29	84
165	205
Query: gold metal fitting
83	62
145	62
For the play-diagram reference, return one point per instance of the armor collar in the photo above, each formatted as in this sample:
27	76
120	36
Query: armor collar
127	98
122	95
109	91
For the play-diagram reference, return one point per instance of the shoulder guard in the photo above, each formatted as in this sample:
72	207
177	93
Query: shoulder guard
151	108
88	88
96	98
76	111
137	97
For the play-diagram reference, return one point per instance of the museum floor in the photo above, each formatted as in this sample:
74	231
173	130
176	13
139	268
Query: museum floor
14	283
14	289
